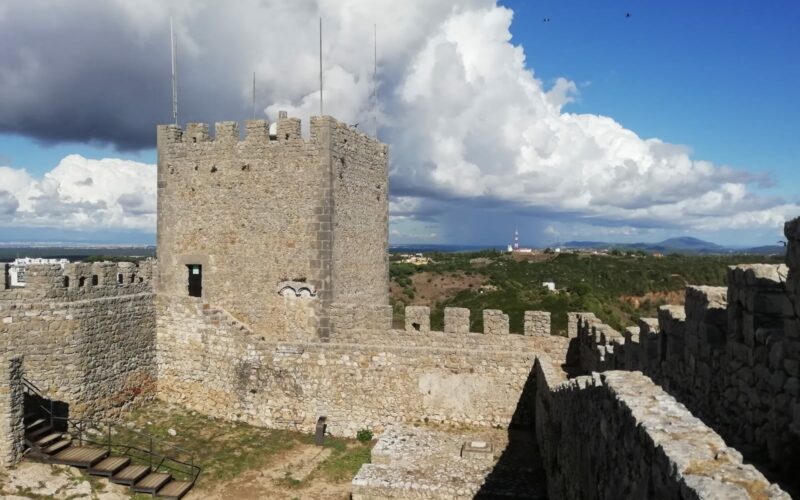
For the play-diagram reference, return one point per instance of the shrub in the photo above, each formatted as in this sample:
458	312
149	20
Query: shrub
364	435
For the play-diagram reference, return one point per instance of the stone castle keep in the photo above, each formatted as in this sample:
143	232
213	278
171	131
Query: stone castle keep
269	304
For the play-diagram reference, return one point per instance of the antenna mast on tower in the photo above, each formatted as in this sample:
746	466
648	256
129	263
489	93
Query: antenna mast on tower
254	95
174	78
320	66
375	78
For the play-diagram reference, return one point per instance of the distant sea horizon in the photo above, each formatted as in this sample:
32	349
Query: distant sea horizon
444	248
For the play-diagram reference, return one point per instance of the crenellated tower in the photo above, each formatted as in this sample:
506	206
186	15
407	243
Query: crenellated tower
286	234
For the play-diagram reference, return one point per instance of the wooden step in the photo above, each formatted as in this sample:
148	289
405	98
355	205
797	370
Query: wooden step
152	482
57	446
109	466
36	423
48	439
130	474
41	431
174	490
80	456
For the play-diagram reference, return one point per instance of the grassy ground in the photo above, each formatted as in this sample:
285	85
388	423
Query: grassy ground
227	451
238	461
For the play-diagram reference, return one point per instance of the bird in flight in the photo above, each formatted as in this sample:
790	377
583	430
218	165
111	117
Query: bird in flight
627	14
546	20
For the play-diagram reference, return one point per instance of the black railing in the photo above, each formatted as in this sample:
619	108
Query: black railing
143	448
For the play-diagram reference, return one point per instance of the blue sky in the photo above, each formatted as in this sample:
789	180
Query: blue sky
719	78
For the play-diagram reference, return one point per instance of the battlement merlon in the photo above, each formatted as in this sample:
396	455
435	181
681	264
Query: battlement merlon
286	129
52	281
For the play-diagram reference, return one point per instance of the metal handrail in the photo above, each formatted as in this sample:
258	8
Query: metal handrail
81	427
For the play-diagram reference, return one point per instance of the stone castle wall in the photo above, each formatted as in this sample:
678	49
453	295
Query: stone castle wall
359	379
360	224
618	435
732	355
266	210
89	343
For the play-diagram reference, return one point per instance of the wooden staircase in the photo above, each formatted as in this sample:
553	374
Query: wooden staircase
60	440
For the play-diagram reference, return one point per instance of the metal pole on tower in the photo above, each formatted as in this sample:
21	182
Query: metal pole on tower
174	77
375	78
254	95
320	66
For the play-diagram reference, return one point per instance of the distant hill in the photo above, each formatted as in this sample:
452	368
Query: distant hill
684	244
690	244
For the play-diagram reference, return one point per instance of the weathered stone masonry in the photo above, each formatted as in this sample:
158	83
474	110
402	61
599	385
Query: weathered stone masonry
85	334
359	379
258	212
732	355
616	435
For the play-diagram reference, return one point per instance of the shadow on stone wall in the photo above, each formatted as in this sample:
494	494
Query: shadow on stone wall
518	473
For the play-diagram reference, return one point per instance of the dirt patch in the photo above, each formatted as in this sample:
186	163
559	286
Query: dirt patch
676	297
292	475
432	288
240	461
533	257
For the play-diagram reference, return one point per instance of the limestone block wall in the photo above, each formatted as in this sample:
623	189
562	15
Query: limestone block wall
617	435
359	379
418	319
537	323
91	345
730	354
83	280
12	428
495	322
456	320
346	317
360	189
269	209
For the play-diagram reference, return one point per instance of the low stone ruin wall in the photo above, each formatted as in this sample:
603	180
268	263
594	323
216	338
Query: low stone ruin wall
731	355
616	435
358	380
91	346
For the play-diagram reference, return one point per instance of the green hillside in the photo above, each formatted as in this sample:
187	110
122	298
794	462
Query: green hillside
596	283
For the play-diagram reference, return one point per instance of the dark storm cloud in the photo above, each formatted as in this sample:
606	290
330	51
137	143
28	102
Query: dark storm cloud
472	130
82	71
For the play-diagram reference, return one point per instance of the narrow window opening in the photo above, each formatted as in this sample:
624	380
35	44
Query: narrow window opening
120	279
66	281
95	280
195	280
287	137
416	326
81	282
133	278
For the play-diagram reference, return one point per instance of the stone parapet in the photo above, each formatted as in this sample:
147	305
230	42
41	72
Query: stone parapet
730	354
495	322
418	319
456	320
537	323
83	281
642	443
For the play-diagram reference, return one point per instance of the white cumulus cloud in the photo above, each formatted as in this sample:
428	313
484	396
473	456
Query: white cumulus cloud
467	118
82	194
